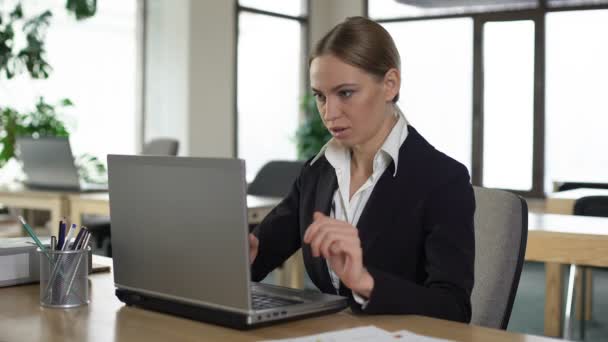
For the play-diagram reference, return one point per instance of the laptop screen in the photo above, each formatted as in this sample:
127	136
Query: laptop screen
48	162
179	228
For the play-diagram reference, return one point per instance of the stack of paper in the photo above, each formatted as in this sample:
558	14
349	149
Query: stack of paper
363	334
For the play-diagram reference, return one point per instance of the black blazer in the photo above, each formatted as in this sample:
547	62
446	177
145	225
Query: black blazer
416	232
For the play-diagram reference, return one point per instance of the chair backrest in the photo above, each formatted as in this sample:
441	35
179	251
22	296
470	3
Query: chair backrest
161	147
591	206
501	233
576	185
275	178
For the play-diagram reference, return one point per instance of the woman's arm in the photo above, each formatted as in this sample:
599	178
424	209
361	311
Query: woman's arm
278	235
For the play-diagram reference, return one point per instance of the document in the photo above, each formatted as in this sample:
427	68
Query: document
363	334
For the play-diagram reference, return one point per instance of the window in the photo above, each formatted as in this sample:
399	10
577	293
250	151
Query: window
538	107
390	9
576	106
508	100
269	80
94	64
435	88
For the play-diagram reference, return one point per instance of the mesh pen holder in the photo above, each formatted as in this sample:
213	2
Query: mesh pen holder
64	278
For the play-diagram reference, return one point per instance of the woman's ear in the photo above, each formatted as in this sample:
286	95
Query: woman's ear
392	83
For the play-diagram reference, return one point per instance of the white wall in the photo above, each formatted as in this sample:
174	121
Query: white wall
189	75
325	14
166	71
190	69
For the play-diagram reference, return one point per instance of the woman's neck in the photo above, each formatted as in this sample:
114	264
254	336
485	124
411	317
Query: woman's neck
362	157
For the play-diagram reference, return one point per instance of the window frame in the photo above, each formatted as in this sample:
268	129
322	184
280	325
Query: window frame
304	43
538	16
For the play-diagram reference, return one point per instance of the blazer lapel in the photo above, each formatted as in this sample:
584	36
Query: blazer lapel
326	187
379	208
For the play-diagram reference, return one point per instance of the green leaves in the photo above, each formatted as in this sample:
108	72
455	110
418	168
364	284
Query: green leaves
44	121
15	60
91	169
82	9
312	135
32	57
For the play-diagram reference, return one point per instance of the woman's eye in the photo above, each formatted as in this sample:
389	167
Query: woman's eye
319	97
345	93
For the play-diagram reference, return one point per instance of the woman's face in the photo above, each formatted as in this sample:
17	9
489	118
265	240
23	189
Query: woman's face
353	103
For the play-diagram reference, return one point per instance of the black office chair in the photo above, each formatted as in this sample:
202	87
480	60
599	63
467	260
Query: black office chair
591	206
577	185
275	178
99	226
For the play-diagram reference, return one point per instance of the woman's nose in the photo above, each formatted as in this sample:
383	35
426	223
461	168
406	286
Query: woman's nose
332	110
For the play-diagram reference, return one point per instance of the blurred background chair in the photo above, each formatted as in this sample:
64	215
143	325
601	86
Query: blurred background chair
501	234
275	178
161	147
577	185
99	226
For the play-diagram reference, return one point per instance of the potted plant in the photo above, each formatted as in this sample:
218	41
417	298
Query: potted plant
311	135
43	120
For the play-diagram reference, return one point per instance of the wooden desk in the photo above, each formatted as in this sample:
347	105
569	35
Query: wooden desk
564	239
99	204
18	196
107	319
563	202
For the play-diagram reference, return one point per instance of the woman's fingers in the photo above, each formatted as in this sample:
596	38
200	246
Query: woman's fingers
254	244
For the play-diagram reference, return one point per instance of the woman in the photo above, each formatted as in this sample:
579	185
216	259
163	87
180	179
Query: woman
381	216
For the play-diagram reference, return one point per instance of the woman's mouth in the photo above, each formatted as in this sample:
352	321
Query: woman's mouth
339	132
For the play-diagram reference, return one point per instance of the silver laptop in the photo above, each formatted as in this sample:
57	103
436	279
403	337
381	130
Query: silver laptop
48	164
180	244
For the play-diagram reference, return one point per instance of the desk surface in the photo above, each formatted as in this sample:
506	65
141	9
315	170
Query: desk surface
18	189
252	201
107	319
568	224
568	239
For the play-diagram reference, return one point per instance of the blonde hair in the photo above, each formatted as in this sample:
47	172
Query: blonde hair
362	43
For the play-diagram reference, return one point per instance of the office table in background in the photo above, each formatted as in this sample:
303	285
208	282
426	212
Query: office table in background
99	204
563	203
18	196
557	240
107	319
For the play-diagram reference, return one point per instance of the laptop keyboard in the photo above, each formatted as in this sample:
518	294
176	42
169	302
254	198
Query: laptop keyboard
264	301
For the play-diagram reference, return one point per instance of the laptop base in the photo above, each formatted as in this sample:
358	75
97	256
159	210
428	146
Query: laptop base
205	314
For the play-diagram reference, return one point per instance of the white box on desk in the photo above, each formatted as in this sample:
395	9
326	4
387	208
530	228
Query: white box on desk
19	261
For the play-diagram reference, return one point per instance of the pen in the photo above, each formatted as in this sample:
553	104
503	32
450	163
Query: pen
61	238
68	236
84	243
79	237
85	239
31	233
53	242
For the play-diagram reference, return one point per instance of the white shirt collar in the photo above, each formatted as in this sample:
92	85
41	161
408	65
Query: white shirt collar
336	154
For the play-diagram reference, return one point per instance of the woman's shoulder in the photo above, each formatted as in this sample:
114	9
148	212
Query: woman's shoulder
428	162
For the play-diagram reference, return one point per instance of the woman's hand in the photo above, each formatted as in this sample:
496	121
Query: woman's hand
254	244
338	242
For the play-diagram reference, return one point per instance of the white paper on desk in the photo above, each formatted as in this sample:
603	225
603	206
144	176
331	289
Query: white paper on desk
360	334
408	336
